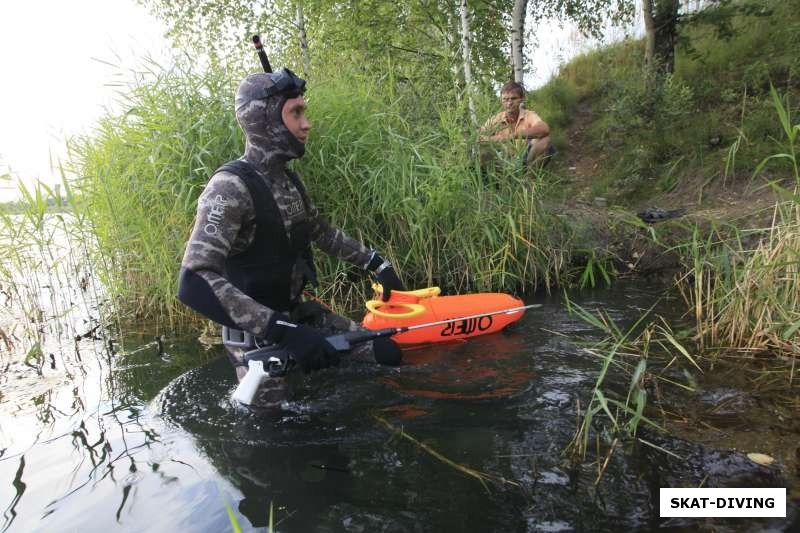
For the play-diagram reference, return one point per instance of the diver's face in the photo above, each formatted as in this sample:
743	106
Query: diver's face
294	118
511	101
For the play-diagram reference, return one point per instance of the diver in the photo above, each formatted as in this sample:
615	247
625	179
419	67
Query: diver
249	255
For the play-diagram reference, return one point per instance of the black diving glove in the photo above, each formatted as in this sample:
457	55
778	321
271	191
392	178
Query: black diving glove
386	276
307	345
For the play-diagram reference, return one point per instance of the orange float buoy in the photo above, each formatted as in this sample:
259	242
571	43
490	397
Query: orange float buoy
410	308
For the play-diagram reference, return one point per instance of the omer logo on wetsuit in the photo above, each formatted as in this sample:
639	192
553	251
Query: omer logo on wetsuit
249	255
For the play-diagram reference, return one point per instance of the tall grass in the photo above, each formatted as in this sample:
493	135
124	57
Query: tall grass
391	165
138	176
402	176
750	298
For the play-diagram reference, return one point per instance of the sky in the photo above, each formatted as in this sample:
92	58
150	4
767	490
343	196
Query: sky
54	79
57	57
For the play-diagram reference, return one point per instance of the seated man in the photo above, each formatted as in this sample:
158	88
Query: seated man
519	130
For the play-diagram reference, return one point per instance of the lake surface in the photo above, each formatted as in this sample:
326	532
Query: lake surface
135	434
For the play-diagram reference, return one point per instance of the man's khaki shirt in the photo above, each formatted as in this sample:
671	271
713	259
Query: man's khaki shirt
498	125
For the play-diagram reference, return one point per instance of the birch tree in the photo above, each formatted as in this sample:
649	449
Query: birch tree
649	33
517	39
466	49
302	37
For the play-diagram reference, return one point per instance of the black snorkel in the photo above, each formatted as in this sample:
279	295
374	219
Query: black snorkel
284	81
262	54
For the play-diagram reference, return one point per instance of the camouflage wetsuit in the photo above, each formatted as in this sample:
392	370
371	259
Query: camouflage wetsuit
225	226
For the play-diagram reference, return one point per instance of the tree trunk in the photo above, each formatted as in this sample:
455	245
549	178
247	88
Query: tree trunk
661	33
300	22
649	32
466	49
665	19
517	42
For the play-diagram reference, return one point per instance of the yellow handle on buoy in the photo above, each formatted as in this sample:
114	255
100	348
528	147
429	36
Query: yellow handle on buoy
414	309
427	292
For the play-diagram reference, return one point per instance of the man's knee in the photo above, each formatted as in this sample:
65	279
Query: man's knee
539	148
540	152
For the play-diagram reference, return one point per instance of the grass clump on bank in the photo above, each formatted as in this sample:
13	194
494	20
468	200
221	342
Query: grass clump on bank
749	298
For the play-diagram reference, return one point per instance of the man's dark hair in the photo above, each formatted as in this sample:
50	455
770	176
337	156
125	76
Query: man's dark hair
512	86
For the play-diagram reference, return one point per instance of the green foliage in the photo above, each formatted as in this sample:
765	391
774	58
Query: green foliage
589	16
387	162
139	176
420	38
756	49
400	173
712	118
745	296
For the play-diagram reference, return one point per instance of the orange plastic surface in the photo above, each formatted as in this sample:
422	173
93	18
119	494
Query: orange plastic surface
446	307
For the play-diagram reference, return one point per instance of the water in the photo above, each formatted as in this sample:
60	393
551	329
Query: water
149	441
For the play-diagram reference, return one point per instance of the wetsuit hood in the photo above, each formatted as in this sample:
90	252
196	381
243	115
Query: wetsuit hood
259	101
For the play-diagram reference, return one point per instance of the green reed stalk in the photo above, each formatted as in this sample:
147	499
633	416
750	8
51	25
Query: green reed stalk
137	179
610	412
40	269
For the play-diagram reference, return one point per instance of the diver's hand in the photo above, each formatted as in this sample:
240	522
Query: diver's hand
307	346
386	276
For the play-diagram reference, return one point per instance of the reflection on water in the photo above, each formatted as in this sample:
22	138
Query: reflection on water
150	442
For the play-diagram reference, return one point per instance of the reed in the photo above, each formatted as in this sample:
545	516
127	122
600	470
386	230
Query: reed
44	280
647	354
403	178
138	176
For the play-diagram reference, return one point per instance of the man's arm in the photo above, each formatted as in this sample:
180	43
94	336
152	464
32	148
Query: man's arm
491	130
532	127
222	209
336	242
